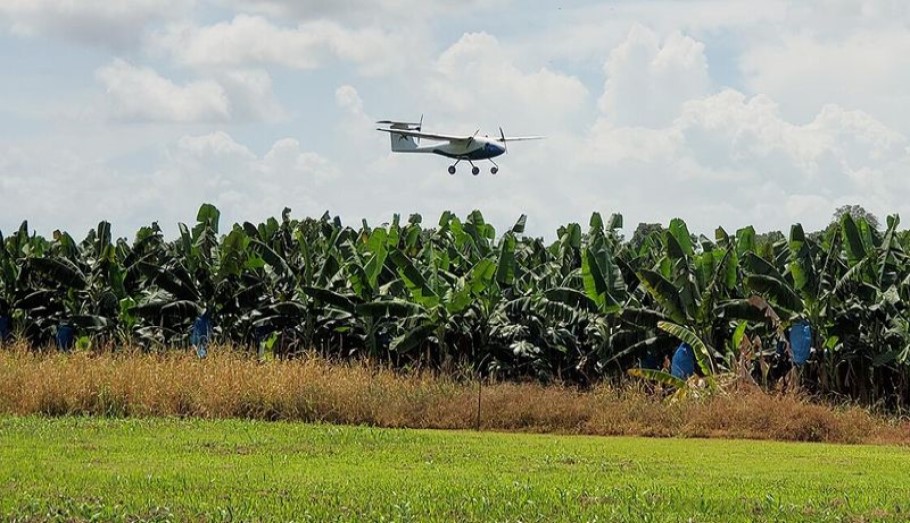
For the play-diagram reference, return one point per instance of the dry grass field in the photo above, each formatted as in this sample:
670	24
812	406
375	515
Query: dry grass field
228	385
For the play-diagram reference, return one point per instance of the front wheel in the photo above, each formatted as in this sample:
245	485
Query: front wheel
475	170
494	170
451	169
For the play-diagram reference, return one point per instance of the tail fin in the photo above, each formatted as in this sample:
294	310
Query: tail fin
400	142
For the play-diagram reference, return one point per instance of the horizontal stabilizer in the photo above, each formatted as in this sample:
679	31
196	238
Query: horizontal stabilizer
400	125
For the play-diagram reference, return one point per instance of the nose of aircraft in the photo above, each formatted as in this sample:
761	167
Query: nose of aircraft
496	148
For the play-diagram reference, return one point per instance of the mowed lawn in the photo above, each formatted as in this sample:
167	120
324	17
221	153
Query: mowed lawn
74	469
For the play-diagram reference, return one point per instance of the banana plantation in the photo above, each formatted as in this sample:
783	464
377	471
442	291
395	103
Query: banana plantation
456	295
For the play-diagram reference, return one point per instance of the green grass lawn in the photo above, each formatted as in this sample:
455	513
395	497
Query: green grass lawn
164	469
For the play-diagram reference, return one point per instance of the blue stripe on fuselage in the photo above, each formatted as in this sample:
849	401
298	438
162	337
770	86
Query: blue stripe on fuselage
488	151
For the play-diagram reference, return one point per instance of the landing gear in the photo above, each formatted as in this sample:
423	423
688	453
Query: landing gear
452	167
474	169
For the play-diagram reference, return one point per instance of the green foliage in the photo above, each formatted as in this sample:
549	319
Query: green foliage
580	309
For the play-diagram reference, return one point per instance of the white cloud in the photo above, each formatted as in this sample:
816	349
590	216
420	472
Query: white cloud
66	189
648	80
405	12
868	70
347	98
357	127
835	20
251	95
96	22
718	112
254	40
475	78
140	94
712	157
217	146
218	152
584	33
72	191
244	185
726	157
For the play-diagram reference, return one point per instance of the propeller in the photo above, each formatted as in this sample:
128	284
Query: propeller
502	135
419	127
471	139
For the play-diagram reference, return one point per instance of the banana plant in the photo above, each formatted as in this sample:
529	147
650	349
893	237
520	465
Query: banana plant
686	285
582	308
703	357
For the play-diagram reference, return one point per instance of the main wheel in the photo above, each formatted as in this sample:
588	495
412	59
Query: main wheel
451	169
475	170
494	170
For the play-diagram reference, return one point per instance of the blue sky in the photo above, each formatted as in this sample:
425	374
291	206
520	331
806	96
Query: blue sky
714	111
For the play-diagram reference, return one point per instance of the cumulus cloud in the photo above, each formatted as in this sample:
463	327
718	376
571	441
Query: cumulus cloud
248	186
66	189
356	125
218	148
716	112
724	156
833	20
395	11
193	169
648	80
251	95
475	77
729	158
749	138
868	70
95	22
349	99
141	94
254	40
668	143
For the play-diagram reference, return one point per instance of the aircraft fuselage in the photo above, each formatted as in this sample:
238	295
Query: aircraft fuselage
478	149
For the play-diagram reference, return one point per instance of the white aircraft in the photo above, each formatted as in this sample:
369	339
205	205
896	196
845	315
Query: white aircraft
406	139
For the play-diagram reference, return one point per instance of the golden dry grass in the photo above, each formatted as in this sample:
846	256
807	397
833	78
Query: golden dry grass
227	385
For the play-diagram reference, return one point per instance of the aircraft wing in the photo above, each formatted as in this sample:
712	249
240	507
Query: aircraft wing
428	136
519	138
